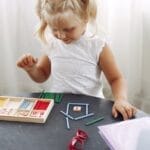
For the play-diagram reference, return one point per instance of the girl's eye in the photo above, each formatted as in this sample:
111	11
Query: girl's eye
54	30
69	29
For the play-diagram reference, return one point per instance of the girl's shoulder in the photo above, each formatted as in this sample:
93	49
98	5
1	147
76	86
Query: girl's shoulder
95	36
96	39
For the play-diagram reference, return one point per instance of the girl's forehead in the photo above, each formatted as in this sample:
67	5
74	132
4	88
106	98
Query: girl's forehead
64	19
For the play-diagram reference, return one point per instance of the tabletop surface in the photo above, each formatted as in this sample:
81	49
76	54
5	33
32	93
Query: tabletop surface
54	135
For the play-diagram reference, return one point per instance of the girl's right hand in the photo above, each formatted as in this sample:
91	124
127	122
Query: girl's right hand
27	62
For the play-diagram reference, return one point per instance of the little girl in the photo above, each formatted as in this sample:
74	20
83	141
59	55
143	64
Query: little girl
74	58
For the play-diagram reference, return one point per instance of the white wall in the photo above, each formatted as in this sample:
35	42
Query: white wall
145	82
146	55
146	61
17	27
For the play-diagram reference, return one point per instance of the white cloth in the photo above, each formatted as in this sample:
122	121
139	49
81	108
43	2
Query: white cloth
74	66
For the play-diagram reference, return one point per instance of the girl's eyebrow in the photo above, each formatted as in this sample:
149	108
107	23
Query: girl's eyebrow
68	28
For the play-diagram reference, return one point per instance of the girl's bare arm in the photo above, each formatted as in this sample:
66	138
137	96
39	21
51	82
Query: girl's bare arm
38	69
118	84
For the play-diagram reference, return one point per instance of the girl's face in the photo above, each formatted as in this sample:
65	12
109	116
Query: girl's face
67	27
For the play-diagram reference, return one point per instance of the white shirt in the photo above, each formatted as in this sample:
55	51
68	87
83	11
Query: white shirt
74	66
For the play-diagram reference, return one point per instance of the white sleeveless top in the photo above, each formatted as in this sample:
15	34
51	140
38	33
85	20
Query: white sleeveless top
74	66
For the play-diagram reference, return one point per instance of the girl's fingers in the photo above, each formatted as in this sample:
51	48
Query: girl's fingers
31	60
26	60
22	61
126	109
124	114
35	60
129	112
121	110
19	63
114	112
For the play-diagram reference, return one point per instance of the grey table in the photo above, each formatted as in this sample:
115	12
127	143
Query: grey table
53	135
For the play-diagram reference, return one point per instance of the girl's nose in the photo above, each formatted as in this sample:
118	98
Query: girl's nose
61	35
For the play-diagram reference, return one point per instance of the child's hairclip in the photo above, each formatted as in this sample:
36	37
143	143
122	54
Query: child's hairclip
78	140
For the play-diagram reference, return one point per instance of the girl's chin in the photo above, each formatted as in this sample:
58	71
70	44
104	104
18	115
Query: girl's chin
67	41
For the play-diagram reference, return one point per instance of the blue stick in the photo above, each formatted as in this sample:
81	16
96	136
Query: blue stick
85	116
67	120
87	109
77	103
70	117
68	125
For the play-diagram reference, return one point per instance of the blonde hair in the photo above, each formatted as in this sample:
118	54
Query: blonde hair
85	9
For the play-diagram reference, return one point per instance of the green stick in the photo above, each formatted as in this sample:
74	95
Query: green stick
94	121
42	94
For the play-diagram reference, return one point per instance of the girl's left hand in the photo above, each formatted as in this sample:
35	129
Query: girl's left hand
124	108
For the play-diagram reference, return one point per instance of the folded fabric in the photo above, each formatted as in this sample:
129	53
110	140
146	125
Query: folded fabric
127	135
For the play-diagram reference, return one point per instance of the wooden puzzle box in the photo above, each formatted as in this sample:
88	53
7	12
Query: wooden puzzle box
23	109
